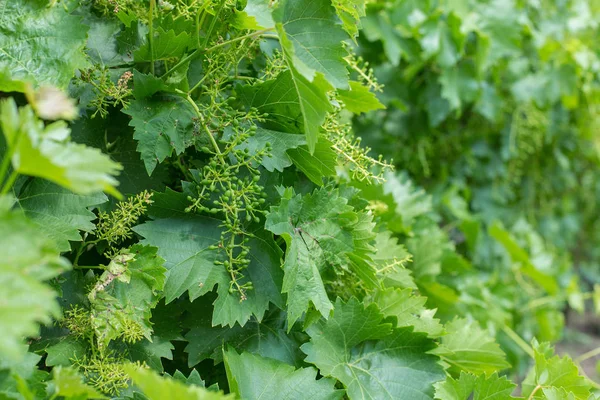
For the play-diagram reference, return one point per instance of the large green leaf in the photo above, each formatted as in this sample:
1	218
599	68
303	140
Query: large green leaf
186	243
266	338
166	45
40	43
59	213
161	127
397	366
293	104
318	165
254	377
46	152
319	230
311	39
469	386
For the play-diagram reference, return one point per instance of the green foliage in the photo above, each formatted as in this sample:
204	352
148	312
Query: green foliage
41	45
254	377
491	387
263	252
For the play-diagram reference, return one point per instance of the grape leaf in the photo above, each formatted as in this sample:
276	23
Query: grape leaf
45	152
161	126
254	377
145	85
146	279
390	259
167	44
156	387
267	338
469	386
350	12
318	165
40	43
311	39
256	15
319	230
410	310
281	142
467	347
359	99
64	351
192	379
185	244
554	374
151	352
300	110
59	213
410	201
397	366
28	259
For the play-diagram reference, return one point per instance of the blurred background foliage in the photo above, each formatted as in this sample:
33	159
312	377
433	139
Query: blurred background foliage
492	119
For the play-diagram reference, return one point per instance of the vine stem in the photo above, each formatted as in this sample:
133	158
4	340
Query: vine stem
151	34
519	341
538	387
592	353
542	301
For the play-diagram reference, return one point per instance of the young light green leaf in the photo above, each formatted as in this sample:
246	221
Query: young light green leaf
350	12
390	260
28	259
256	15
467	347
396	366
254	377
156	387
554	375
359	99
40	44
409	309
46	152
469	386
69	385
